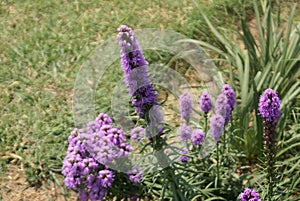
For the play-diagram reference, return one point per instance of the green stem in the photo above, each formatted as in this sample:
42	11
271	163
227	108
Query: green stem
218	174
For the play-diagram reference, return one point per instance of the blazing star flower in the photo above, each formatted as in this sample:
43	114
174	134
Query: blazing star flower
249	195
185	104
184	158
230	95
205	102
184	132
217	126
135	175
197	137
135	71
221	105
269	109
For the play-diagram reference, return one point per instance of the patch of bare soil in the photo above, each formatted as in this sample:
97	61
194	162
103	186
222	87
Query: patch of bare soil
15	187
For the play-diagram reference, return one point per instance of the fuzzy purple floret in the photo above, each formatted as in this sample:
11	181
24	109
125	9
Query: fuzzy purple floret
135	71
185	105
184	132
197	137
205	102
217	126
269	106
249	195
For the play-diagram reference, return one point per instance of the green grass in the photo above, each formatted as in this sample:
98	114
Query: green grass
42	47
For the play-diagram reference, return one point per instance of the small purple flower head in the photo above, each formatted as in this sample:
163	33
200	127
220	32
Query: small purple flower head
106	178
249	195
230	94
221	105
269	106
184	158
205	102
197	137
184	132
135	175
217	126
137	134
185	104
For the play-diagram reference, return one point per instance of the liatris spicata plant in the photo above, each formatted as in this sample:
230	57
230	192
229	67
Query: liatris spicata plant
269	110
135	71
230	95
185	105
249	195
90	151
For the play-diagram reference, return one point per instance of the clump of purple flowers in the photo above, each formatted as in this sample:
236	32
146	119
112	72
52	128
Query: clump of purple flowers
205	102
185	105
90	151
249	195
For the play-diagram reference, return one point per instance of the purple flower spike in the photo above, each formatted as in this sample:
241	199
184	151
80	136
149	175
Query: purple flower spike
197	137
249	195
135	71
205	102
184	132
185	104
221	105
269	106
230	95
217	126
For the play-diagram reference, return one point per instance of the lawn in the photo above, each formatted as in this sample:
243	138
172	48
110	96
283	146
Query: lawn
43	45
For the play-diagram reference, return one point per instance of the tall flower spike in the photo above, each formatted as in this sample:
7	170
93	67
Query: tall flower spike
230	95
185	104
269	109
205	102
135	71
221	104
217	126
